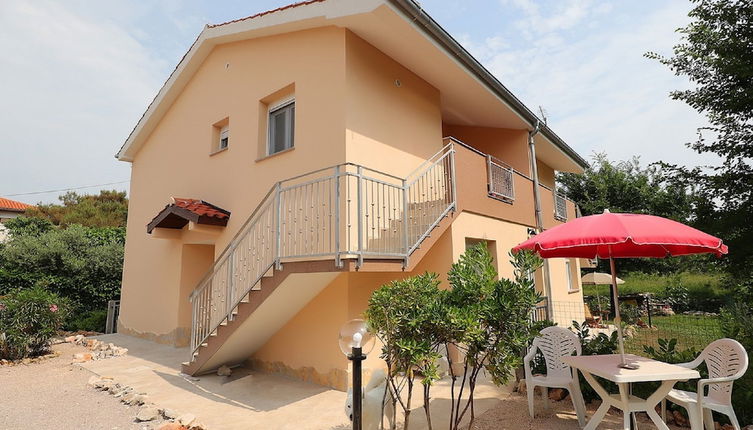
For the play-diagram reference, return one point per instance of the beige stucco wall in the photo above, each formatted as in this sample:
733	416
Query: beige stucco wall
389	127
306	347
176	161
510	146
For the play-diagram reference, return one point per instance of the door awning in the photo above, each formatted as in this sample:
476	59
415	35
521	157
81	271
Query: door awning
182	211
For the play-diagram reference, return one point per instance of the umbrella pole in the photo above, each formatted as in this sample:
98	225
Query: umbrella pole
617	318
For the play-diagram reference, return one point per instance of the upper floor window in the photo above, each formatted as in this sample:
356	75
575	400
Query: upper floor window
224	137
281	126
220	136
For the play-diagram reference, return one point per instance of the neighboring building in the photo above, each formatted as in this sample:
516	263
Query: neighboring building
298	159
11	209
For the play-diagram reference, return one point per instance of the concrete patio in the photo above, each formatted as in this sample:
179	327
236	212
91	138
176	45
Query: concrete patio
250	399
253	400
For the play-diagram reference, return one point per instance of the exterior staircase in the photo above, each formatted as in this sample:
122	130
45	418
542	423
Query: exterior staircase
306	231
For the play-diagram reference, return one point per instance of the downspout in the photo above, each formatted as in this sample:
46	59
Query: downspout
538	215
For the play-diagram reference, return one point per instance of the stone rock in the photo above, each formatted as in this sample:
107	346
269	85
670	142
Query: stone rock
557	394
128	398
224	371
680	419
521	387
93	381
186	419
171	426
104	384
121	392
147	413
82	357
133	399
169	414
629	332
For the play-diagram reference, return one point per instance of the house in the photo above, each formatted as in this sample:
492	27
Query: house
300	158
10	209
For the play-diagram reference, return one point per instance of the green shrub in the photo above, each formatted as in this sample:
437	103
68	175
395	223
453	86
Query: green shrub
676	295
630	314
737	323
82	264
28	320
88	321
669	353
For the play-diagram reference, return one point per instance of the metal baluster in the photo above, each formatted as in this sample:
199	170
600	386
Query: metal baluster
338	262
359	221
278	227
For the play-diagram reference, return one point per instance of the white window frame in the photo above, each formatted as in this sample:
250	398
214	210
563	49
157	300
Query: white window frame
571	287
224	134
271	109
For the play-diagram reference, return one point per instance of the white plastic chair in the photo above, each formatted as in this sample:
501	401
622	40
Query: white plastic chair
726	361
555	343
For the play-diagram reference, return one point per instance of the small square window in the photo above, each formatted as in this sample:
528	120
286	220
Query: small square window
224	138
220	136
281	127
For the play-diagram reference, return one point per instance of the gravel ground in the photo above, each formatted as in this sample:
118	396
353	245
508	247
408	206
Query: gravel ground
512	414
52	394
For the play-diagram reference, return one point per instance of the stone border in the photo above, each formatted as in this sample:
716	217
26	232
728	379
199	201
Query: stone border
148	411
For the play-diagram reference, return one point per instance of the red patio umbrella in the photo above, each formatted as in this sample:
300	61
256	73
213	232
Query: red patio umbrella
617	235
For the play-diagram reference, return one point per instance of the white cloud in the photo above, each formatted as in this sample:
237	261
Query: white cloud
601	93
72	89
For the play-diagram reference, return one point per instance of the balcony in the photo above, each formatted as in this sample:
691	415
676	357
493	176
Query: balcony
483	182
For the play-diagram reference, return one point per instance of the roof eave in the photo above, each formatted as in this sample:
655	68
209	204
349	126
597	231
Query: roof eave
444	39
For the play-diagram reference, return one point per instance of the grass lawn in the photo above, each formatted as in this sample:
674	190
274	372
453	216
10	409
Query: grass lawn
690	332
655	284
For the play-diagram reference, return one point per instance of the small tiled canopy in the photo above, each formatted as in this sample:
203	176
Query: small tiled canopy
177	214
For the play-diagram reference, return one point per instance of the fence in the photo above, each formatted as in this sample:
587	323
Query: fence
694	330
113	310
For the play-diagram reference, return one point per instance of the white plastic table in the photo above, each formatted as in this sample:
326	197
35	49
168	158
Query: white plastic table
606	366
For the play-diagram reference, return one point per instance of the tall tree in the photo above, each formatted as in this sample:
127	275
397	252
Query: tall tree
716	55
106	209
626	186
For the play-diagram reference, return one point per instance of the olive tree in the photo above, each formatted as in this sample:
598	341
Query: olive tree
484	318
405	316
488	321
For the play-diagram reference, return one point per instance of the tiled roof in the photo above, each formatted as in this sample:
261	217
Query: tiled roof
182	211
290	6
12	205
201	208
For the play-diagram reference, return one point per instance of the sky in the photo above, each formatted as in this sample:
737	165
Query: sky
76	75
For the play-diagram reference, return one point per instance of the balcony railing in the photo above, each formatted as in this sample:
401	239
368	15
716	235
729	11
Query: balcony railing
560	206
344	211
501	183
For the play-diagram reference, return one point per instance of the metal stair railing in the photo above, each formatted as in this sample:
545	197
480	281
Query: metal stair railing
343	211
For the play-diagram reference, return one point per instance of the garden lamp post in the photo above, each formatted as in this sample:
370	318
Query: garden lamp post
356	343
